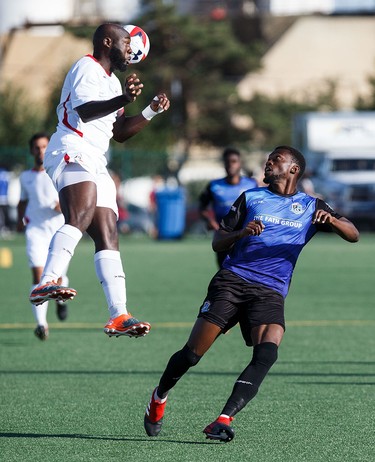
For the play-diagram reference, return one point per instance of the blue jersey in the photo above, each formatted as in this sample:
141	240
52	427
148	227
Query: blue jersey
222	194
270	258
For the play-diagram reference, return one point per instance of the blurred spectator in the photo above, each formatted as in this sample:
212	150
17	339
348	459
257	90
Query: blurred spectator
158	185
216	200
135	212
307	186
4	205
39	215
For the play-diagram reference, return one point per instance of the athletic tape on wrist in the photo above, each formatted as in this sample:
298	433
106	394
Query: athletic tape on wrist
148	113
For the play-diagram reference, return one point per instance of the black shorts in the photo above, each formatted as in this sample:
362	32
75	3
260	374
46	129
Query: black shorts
231	300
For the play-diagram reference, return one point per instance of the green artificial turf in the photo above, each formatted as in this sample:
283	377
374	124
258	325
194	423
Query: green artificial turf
81	396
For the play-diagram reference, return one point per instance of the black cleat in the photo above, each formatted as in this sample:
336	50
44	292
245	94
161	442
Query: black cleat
154	415
41	332
152	428
61	310
220	431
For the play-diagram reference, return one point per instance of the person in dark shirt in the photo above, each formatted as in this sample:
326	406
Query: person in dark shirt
263	233
221	193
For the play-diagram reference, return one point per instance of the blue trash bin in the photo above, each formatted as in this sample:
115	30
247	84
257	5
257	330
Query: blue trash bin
171	213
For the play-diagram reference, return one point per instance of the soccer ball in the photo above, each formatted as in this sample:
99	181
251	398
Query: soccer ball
139	42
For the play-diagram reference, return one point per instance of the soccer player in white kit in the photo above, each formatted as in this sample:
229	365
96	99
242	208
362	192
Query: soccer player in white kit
39	212
90	113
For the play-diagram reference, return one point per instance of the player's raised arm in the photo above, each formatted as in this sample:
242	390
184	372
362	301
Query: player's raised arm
95	109
127	126
341	226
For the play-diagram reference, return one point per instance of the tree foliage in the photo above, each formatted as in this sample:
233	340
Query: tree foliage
18	117
367	104
198	63
272	117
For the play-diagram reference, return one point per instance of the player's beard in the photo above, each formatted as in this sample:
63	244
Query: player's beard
272	178
117	59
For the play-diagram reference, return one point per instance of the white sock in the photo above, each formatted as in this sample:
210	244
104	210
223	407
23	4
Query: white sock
158	399
61	250
40	311
65	279
111	276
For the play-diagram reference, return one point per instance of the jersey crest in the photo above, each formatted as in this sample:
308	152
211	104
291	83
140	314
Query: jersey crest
297	208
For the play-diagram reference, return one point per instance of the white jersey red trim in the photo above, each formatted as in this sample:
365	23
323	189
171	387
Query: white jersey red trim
76	141
87	81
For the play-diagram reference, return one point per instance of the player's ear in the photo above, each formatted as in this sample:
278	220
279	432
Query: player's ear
107	42
295	169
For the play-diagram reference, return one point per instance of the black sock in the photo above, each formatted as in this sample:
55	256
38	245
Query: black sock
247	384
177	366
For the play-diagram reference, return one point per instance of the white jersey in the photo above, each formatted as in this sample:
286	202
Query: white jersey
41	196
41	220
74	140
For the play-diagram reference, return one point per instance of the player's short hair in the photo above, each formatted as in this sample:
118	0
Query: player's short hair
36	136
103	31
297	156
229	151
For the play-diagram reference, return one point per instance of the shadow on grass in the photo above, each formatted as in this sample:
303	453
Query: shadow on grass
334	383
100	437
200	373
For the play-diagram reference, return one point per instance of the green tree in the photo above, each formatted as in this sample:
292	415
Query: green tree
367	104
271	118
198	63
18	117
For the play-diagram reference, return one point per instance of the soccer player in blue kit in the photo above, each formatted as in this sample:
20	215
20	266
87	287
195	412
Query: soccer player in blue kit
221	193
264	233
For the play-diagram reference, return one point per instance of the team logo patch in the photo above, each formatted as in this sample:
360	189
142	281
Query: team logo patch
297	208
206	306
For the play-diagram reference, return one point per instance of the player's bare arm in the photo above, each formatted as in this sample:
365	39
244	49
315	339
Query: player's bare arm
21	209
207	217
97	109
127	126
341	226
224	240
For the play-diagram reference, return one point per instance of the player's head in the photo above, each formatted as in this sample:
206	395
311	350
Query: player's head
284	161
113	41
232	161
38	145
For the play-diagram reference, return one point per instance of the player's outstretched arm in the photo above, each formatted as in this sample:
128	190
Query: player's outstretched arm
126	127
341	226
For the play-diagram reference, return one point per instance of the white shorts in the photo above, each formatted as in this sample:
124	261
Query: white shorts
69	159
73	173
38	239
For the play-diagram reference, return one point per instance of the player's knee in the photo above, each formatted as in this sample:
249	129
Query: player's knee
190	357
265	354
